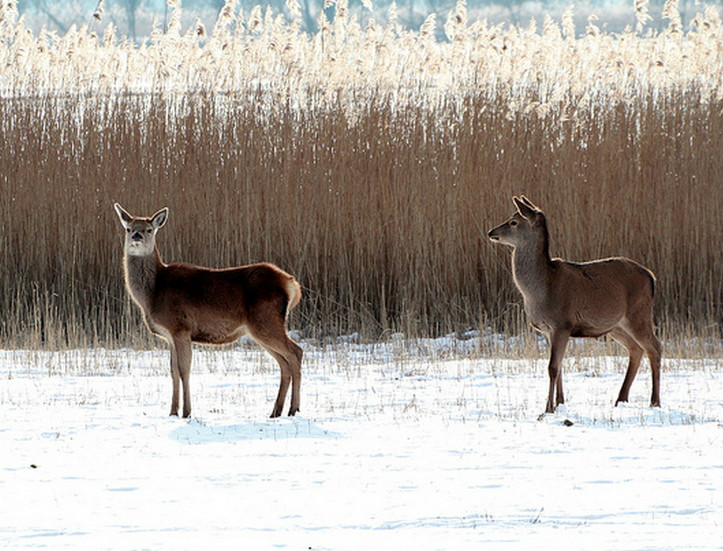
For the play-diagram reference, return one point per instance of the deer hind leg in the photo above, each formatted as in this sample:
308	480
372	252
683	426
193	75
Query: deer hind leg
559	394
636	354
558	344
654	350
295	354
644	335
288	354
283	383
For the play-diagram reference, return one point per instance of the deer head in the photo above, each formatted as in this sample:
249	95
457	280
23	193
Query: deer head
527	225
141	232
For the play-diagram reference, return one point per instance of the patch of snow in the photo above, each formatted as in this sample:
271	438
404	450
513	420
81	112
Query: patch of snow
390	450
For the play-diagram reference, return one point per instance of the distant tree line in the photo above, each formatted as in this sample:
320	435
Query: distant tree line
134	18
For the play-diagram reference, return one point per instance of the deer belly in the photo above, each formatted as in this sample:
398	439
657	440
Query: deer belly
217	333
591	332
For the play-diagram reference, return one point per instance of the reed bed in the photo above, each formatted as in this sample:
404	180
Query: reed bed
368	161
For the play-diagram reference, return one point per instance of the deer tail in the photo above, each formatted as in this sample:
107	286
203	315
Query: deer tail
293	290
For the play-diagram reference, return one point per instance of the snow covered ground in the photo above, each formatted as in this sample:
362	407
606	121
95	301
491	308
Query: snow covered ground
391	451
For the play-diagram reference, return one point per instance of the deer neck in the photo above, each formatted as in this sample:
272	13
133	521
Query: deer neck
532	268
140	273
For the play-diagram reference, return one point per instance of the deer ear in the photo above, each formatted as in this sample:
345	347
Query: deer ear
124	216
160	218
524	210
529	203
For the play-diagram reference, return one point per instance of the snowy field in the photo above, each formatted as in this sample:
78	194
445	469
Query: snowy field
391	451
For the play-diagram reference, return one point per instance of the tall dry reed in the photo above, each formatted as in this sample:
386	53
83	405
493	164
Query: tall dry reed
369	163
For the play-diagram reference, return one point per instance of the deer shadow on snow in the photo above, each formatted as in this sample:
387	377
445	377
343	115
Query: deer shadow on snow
196	431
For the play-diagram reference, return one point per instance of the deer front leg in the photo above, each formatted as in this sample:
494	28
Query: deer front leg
558	344
184	351
175	377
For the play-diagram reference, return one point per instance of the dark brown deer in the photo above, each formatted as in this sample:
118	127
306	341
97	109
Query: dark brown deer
613	296
184	303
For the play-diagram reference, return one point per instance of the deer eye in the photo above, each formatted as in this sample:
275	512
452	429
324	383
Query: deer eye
513	223
149	230
128	230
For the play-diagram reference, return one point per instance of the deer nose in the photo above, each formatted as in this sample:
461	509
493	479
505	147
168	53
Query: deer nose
136	236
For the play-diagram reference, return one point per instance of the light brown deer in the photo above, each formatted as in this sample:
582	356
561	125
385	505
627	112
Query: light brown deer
184	304
613	296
